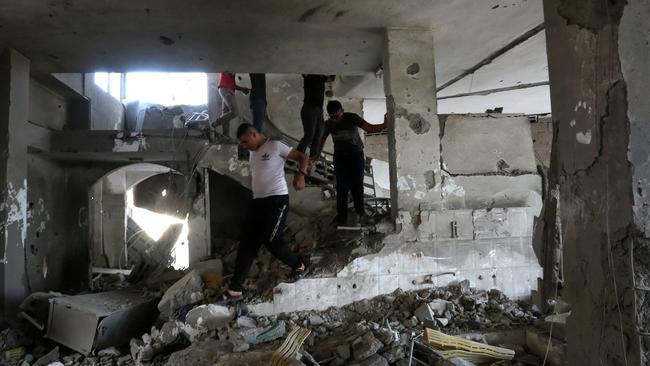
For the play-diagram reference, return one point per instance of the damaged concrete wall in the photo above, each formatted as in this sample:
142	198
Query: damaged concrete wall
594	104
542	132
106	112
492	249
46	240
15	214
634	38
488	161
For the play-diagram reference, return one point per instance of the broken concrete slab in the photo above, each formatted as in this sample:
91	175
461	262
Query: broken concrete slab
48	358
366	346
89	322
210	316
187	290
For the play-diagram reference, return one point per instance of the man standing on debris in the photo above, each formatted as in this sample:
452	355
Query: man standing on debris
349	162
227	88
267	212
311	113
258	100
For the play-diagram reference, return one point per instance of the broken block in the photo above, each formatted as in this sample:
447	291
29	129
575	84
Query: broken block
210	316
365	347
185	291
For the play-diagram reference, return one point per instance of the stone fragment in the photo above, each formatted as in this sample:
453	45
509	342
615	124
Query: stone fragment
374	360
366	346
210	316
240	346
169	332
343	351
187	290
48	358
124	360
442	321
439	306
246	322
394	354
424	312
316	320
136	345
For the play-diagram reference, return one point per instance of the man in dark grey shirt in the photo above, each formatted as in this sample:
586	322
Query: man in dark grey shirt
349	162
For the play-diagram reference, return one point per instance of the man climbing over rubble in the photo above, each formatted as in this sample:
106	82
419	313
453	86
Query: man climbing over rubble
349	162
227	90
267	212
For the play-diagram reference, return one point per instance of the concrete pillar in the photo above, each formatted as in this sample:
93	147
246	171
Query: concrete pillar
598	63
14	101
413	129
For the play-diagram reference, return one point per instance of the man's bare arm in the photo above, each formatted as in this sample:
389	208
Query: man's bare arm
299	158
374	128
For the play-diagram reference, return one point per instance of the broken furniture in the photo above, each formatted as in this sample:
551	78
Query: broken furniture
86	323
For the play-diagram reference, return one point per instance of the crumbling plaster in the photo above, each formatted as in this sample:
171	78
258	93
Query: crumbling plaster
590	97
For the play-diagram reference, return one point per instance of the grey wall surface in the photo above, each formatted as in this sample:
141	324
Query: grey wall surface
593	109
488	161
106	112
634	51
46	108
478	144
228	207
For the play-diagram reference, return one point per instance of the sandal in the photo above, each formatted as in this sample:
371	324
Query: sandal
227	298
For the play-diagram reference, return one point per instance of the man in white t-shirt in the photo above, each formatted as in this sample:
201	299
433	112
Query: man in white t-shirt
268	210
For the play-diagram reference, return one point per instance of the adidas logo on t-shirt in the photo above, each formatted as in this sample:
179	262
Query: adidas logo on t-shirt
266	156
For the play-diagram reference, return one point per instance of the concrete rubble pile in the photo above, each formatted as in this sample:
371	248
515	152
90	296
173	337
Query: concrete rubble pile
378	331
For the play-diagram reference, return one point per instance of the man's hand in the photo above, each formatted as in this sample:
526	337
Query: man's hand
299	182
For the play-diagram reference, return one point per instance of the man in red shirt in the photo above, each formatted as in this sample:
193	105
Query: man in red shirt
227	88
